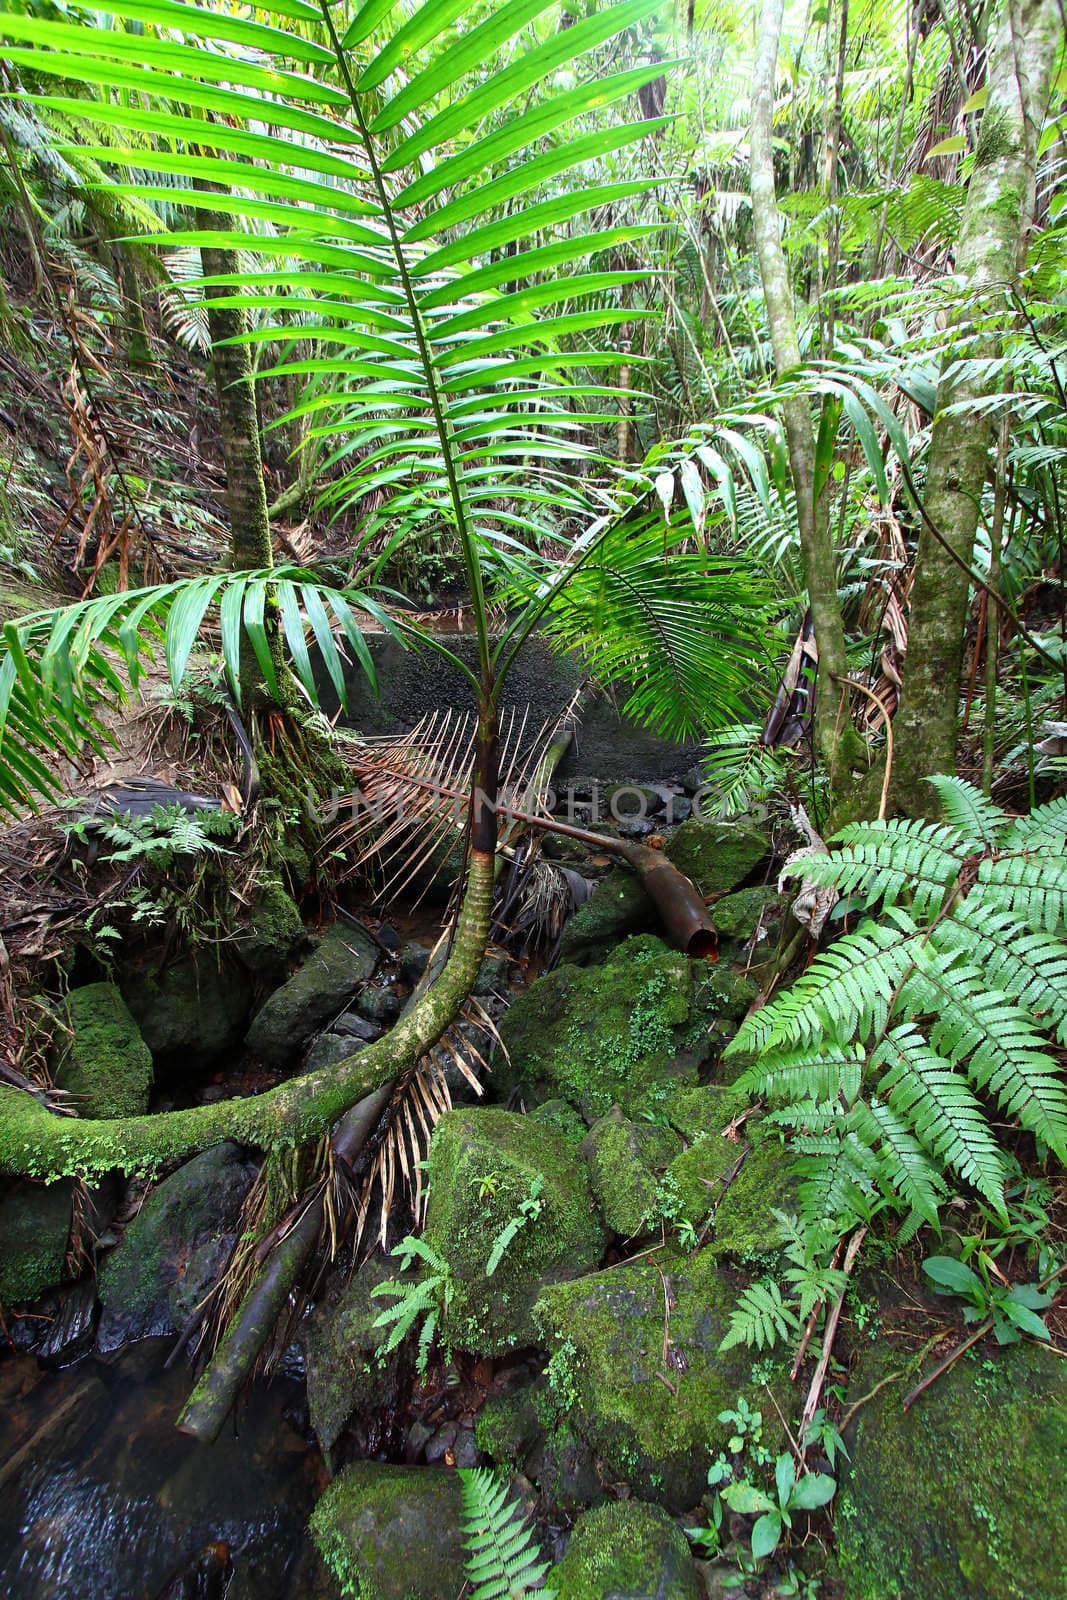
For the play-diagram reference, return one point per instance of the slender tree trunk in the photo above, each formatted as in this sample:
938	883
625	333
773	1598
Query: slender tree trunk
816	540
1027	40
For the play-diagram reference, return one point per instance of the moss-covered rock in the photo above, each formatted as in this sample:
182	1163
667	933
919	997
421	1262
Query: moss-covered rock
617	906
107	1066
652	1418
699	1179
191	1012
626	1548
346	1368
739	915
718	856
275	933
625	1162
174	1248
484	1166
509	1424
563	1117
316	992
34	1230
964	1496
623	1033
392	1533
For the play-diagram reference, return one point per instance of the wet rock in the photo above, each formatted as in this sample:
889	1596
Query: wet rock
378	1004
393	1533
484	1167
717	856
679	808
417	1438
441	1444
347	1370
618	906
512	1422
626	1160
564	1468
742	914
275	934
624	801
353	1026
492	975
70	1333
939	1500
465	1452
330	1048
703	1179
651	1417
174	1248
317	991
106	1065
626	1548
412	961
389	939
35	1223
623	1033
192	1013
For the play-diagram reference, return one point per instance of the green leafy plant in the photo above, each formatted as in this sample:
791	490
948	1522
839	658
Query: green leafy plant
1013	1308
504	1560
774	1513
529	1210
951	992
763	1314
427	1297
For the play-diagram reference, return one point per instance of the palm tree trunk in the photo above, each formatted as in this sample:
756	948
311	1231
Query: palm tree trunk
992	247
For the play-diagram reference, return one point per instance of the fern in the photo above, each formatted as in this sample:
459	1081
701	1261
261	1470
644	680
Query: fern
883	1057
760	1317
504	1561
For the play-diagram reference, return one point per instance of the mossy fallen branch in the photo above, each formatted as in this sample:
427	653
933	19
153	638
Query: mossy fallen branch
36	1143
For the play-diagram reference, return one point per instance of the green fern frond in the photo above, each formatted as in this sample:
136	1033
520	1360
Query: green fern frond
893	861
1045	825
977	820
1034	885
1028	966
504	1560
760	1317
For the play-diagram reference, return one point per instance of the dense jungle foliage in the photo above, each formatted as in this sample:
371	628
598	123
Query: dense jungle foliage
582	484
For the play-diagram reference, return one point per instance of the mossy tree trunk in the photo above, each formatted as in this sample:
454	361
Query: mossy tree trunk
835	739
1027	41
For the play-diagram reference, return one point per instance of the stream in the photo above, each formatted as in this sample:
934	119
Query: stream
102	1499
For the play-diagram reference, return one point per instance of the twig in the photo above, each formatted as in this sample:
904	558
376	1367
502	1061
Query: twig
811	1405
810	1329
894	1377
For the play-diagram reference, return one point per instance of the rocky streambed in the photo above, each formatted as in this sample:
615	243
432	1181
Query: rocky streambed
627	1191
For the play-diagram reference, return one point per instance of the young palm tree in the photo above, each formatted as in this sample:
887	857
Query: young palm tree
403	176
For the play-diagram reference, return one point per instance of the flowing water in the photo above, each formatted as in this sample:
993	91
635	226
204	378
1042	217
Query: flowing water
102	1499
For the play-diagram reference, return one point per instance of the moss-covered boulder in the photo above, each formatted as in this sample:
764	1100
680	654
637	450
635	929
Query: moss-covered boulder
964	1496
275	933
649	1412
741	1171
192	1012
626	1548
392	1533
174	1249
623	1033
718	856
347	1370
617	906
106	1066
34	1230
626	1160
317	991
511	1422
748	911
487	1170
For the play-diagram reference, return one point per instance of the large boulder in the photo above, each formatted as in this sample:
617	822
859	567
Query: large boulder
192	1012
174	1249
626	1161
275	932
318	990
717	856
487	1170
392	1533
106	1066
963	1496
629	1549
617	906
740	1171
623	1033
346	1369
636	1367
34	1229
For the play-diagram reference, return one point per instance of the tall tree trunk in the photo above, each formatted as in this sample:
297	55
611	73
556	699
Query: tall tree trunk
1027	39
816	540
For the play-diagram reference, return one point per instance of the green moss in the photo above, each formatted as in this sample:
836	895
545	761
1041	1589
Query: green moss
107	1066
744	1223
599	1036
559	1115
346	1369
652	1419
275	931
737	916
718	856
964	1496
482	1167
34	1230
390	1533
617	906
625	1161
626	1548
996	137
509	1424
192	1013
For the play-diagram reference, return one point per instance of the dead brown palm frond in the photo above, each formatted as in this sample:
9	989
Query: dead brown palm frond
410	801
884	610
536	898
